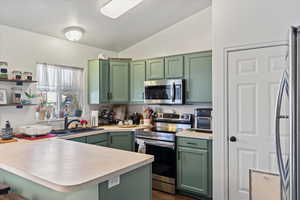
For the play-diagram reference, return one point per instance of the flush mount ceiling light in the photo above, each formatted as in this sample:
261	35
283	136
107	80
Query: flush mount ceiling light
73	33
116	8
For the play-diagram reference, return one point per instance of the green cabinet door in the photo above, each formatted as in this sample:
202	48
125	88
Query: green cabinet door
79	139
174	67
121	140
192	170
137	78
98	81
198	75
119	82
155	69
103	144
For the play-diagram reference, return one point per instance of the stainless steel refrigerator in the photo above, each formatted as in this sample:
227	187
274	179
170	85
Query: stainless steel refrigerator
289	168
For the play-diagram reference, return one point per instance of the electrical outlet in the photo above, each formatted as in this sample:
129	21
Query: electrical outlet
113	182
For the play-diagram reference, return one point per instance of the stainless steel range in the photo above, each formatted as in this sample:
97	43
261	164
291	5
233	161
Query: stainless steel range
161	143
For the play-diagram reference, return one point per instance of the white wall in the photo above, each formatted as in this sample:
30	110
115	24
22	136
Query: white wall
23	49
238	23
190	35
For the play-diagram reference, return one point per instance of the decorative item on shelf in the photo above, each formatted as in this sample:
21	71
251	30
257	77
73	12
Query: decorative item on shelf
17	75
17	95
3	70
29	97
3	96
27	76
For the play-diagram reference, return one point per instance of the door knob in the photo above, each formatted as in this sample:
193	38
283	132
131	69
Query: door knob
233	139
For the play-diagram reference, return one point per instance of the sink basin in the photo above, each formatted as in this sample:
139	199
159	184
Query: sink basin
83	130
75	131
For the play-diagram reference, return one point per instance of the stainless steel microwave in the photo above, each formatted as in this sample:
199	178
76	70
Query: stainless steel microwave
164	92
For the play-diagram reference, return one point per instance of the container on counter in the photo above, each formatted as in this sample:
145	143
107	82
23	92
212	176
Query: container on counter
27	76
7	132
17	95
17	75
3	70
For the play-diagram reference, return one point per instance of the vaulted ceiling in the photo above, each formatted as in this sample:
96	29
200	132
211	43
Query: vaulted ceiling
51	17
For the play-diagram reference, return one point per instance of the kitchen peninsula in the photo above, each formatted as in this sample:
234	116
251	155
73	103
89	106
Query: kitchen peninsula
66	170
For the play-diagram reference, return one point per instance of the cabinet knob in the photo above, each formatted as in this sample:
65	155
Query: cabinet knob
233	139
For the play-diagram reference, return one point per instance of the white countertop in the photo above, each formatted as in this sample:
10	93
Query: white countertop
64	165
196	134
107	129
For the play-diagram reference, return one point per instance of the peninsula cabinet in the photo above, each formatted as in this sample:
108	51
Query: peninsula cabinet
155	69
137	79
119	82
174	67
198	75
194	167
98	71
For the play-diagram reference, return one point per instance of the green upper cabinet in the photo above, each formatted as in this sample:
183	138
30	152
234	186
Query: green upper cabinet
192	170
119	81
121	140
137	78
198	74
98	71
174	67
155	69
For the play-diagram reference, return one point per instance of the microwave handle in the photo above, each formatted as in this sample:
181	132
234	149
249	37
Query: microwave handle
173	92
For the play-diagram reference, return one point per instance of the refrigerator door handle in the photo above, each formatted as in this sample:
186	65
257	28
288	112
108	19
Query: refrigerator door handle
283	168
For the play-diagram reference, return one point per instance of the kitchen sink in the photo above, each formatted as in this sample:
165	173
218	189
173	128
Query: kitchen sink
74	131
83	130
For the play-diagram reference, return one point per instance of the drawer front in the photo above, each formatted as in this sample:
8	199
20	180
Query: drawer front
79	139
93	139
191	142
103	144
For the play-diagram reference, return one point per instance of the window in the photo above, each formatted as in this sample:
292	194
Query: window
60	89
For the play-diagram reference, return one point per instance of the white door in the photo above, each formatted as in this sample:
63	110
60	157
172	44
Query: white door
253	83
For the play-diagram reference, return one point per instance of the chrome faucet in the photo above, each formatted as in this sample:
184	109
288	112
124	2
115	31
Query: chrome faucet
67	122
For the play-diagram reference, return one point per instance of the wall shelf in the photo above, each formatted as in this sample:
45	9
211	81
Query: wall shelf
18	82
16	105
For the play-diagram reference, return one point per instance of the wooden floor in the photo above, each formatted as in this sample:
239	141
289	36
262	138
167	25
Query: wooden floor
164	196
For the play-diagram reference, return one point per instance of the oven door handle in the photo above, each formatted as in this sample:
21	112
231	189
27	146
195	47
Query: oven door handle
160	144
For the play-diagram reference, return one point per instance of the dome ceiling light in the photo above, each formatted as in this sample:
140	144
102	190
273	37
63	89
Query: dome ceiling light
73	33
116	8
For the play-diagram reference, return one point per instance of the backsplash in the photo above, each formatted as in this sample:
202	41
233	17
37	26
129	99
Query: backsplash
168	108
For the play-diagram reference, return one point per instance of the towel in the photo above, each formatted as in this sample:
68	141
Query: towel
141	146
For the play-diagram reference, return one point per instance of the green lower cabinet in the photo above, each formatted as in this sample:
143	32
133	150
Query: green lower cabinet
93	139
121	140
198	75
194	170
103	144
137	78
79	139
135	185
